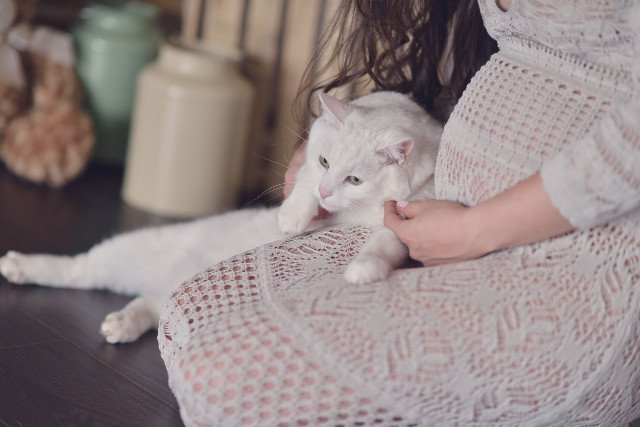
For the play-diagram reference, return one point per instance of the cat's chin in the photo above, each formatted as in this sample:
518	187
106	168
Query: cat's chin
330	209
353	206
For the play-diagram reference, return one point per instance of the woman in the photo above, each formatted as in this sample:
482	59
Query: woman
540	158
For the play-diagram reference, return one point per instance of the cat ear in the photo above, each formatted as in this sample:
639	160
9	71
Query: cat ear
397	152
335	109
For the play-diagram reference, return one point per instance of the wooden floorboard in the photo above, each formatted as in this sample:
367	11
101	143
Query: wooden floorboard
56	383
80	323
55	368
17	329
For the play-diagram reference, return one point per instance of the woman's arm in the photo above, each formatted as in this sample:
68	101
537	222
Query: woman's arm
295	164
597	178
440	232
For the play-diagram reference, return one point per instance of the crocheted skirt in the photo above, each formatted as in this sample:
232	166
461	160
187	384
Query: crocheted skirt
276	336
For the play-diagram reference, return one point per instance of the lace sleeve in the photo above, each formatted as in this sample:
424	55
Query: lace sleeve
598	179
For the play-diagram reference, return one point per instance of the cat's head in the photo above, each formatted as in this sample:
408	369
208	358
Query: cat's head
360	153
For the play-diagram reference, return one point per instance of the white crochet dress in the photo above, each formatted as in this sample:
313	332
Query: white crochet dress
546	334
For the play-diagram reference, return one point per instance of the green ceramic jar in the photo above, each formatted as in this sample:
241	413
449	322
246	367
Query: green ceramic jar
114	40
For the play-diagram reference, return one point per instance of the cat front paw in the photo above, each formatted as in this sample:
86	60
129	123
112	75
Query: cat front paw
366	269
11	267
119	327
294	219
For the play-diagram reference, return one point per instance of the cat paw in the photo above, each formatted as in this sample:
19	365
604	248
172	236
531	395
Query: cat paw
11	268
366	269
294	220
119	327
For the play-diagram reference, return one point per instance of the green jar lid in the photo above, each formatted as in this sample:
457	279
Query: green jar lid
125	18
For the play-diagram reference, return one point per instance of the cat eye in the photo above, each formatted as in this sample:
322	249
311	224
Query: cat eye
324	162
354	180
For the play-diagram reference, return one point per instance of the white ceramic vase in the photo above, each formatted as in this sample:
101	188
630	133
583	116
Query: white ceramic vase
189	131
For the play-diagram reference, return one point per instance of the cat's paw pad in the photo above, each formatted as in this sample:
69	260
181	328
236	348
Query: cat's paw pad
293	221
11	267
119	327
366	269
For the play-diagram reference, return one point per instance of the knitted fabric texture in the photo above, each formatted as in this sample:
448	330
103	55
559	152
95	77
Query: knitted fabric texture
544	334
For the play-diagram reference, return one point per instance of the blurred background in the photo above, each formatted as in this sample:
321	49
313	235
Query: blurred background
116	115
246	56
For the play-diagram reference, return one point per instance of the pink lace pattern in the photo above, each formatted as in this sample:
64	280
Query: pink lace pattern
543	335
276	337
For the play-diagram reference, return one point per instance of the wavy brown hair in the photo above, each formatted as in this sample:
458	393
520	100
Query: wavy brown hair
397	45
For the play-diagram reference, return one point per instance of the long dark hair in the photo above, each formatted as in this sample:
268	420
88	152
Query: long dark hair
398	44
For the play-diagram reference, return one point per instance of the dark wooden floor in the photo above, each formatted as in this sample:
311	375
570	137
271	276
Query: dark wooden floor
55	368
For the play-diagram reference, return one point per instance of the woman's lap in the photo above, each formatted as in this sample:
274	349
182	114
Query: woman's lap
276	336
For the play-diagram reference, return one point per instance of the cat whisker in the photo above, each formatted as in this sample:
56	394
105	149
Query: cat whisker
265	192
269	201
283	145
294	132
269	160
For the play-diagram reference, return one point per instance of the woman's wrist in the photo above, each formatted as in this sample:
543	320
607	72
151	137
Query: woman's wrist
520	215
484	236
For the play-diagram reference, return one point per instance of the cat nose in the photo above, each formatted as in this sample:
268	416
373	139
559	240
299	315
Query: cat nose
324	192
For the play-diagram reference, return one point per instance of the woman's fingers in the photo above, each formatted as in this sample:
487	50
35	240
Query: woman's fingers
392	219
396	222
410	209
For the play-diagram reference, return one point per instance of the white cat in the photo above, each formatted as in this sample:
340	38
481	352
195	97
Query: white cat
379	147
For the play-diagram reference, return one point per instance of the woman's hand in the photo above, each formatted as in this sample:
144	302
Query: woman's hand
439	232
435	231
295	164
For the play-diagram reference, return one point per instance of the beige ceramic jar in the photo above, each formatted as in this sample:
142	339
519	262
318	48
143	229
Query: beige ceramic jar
189	133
